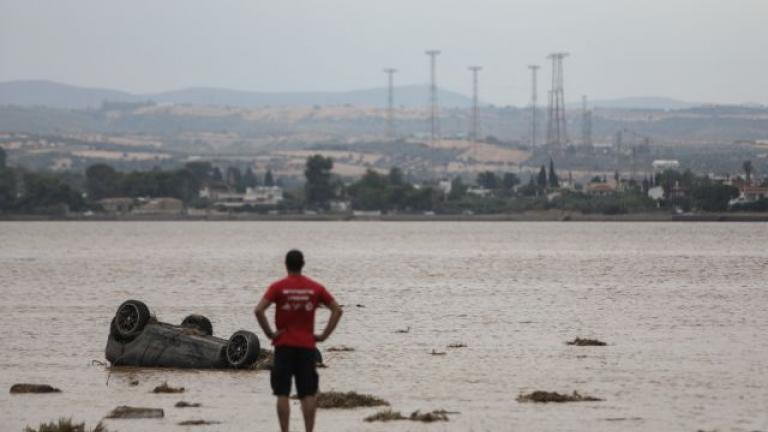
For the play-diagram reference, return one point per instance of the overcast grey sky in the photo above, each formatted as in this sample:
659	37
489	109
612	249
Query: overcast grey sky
697	50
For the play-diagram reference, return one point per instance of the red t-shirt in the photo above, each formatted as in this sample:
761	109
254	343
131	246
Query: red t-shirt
296	297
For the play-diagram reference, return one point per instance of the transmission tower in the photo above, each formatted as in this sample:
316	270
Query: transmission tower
434	120
534	96
557	135
390	102
586	123
475	131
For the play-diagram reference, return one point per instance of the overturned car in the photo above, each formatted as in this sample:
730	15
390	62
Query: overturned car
137	338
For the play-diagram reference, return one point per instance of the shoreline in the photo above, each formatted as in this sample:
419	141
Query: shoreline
507	217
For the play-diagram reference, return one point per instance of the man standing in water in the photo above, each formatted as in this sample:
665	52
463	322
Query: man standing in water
296	297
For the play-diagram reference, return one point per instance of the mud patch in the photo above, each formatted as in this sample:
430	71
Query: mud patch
128	412
347	400
545	397
33	388
586	342
165	388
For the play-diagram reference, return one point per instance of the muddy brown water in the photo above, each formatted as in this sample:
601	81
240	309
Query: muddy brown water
683	307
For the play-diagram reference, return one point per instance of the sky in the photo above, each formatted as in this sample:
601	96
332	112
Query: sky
694	50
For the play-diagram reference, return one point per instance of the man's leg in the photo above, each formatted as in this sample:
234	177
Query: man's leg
307	383
308	409
284	412
280	379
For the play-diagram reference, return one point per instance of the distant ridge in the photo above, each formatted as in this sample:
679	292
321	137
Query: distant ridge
57	95
654	103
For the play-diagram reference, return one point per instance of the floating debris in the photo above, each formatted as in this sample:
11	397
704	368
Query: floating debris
197	422
340	348
385	416
389	415
133	382
265	361
165	388
405	330
65	425
457	345
98	363
437	353
428	417
185	404
334	399
586	342
545	396
33	388
360	305
128	412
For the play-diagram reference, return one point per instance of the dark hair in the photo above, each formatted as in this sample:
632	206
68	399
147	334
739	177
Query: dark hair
294	261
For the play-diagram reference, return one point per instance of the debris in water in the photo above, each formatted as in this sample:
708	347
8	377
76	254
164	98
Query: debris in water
133	382
360	305
405	330
98	363
185	404
457	345
197	422
335	399
385	416
165	388
545	396
33	388
128	412
340	348
428	417
265	361
586	342
389	415
437	353
65	425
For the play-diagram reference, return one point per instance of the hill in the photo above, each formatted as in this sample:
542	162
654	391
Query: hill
56	95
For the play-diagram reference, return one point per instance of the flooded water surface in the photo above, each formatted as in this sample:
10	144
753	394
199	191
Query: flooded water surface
683	308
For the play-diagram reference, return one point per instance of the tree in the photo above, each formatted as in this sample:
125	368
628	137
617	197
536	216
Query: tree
553	180
201	170
488	180
102	181
542	180
748	171
235	178
396	176
269	180
509	181
713	196
250	179
47	193
318	189
7	188
216	175
2	158
458	189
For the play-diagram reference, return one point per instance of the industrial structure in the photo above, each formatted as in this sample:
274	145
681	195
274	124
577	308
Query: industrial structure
586	123
434	115
475	129
390	103
534	96
557	134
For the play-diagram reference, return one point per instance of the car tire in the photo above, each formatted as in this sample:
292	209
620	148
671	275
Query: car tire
130	319
242	350
198	322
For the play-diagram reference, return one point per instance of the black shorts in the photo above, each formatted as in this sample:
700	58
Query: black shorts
294	362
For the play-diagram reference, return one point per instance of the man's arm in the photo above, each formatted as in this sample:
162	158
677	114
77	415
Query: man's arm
336	313
261	317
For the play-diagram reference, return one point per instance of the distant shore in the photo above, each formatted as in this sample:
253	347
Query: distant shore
542	216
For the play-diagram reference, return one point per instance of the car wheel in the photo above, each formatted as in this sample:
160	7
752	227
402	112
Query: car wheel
243	349
198	322
131	318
